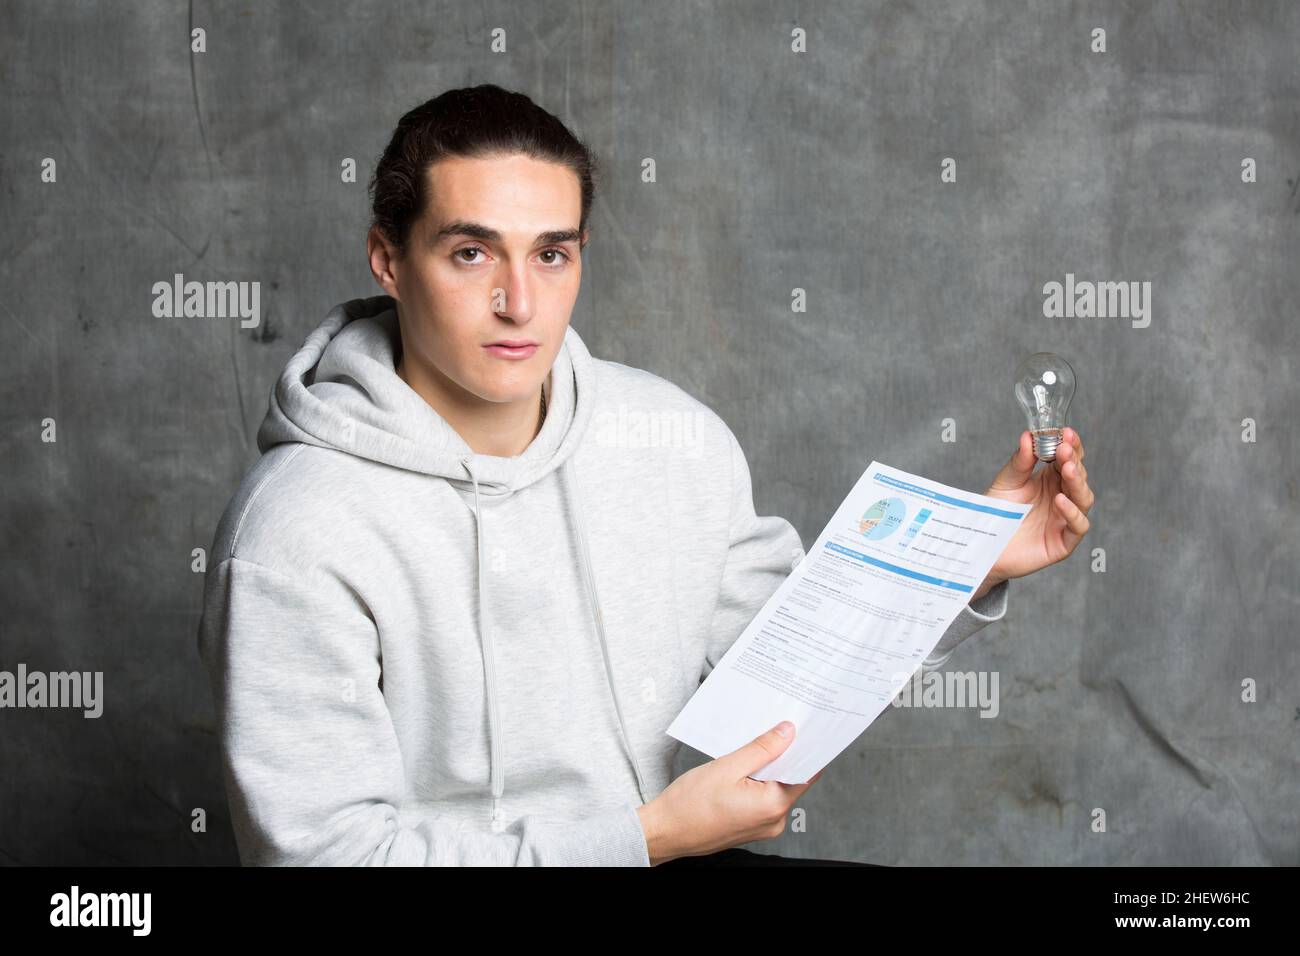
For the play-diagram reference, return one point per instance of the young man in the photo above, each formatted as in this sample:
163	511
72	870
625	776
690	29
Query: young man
457	602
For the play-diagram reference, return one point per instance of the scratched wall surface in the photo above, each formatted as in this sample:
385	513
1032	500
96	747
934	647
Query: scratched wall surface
1120	690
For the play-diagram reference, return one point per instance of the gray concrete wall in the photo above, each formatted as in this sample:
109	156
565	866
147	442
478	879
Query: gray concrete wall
776	170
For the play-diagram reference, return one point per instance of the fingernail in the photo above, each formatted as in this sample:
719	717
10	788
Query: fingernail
784	728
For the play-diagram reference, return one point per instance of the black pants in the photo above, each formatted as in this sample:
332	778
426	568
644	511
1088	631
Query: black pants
736	856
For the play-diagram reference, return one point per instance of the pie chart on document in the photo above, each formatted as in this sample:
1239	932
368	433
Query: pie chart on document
883	518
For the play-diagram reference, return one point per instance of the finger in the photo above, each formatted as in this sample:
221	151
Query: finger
759	752
1083	472
1073	438
792	787
1074	479
1065	452
1076	522
793	791
1075	484
1019	466
1068	462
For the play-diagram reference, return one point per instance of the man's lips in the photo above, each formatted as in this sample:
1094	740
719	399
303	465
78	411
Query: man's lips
516	349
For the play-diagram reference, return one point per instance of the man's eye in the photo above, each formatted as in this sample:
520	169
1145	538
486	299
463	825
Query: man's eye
476	251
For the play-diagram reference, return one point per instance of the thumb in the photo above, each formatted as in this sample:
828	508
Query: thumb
1019	466
761	751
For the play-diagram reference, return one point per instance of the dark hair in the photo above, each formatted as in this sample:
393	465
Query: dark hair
469	122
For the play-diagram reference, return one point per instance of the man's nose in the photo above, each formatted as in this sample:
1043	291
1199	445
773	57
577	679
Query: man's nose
513	298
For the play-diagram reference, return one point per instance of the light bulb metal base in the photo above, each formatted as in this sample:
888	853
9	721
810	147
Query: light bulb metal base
1046	443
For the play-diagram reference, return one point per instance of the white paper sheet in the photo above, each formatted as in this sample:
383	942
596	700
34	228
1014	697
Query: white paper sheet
836	642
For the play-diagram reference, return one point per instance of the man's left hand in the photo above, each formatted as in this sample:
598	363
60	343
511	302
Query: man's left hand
1059	517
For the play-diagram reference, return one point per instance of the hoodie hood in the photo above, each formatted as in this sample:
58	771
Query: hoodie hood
341	390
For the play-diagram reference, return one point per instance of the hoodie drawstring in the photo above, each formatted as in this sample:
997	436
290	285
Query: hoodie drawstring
489	665
495	734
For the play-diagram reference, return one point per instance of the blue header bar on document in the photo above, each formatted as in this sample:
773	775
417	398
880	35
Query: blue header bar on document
947	499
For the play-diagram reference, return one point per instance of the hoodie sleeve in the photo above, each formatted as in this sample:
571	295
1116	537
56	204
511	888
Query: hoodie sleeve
762	553
312	767
974	616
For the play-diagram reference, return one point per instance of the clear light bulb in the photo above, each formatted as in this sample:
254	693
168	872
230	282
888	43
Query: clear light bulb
1044	388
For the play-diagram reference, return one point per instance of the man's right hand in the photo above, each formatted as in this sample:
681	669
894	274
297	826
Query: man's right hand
716	805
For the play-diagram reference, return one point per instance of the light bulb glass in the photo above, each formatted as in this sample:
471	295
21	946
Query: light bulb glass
1044	388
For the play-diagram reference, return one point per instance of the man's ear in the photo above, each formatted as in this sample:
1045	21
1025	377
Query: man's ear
384	260
586	235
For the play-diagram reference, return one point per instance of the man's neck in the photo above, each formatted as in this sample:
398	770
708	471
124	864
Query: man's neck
504	429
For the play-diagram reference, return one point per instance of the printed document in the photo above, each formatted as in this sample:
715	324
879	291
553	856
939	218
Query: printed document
836	642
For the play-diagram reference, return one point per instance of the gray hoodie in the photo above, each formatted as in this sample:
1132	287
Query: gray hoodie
397	627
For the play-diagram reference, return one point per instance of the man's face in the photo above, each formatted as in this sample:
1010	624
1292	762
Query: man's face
495	256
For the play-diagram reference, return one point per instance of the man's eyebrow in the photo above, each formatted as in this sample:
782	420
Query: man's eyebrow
475	230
